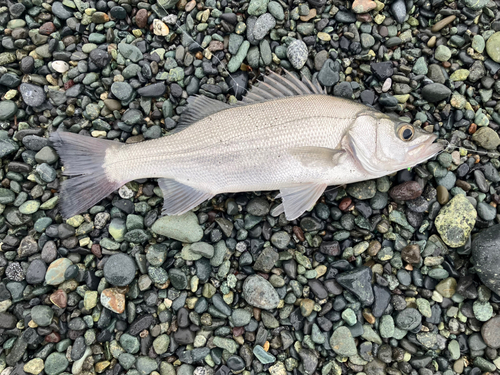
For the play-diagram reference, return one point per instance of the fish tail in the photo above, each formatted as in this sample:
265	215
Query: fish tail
83	158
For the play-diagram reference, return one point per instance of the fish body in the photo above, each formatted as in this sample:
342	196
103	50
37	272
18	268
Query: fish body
288	136
247	148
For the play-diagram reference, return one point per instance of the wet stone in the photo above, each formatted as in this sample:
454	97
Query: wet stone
119	270
486	258
258	292
455	221
266	260
408	319
342	342
358	282
33	95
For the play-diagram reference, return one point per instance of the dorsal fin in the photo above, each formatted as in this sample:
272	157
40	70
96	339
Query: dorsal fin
275	86
199	107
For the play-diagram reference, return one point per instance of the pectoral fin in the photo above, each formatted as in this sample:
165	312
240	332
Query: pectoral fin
180	198
318	157
299	198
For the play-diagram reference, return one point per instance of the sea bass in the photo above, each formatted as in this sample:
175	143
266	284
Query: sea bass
286	134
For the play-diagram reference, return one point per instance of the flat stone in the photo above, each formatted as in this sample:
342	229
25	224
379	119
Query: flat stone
33	95
486	257
119	270
184	228
343	343
55	364
42	315
56	270
8	109
258	292
408	319
490	332
266	260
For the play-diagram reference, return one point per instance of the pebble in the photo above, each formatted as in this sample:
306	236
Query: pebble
493	47
42	315
343	343
456	220
259	293
55	364
113	300
358	282
33	95
486	138
56	270
486	260
119	270
297	53
435	92
184	228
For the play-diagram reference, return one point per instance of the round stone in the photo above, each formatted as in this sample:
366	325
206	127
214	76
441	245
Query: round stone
42	315
442	53
342	342
55	364
184	228
490	331
119	270
486	138
408	319
35	273
122	90
33	95
7	109
493	47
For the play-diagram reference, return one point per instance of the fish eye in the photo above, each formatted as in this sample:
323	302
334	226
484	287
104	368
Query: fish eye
406	132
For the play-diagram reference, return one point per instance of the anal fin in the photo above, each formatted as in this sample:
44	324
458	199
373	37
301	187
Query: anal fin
180	198
299	198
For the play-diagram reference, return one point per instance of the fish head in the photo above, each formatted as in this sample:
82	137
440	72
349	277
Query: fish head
383	145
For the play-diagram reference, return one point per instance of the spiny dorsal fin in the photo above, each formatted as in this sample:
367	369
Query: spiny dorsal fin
199	107
275	86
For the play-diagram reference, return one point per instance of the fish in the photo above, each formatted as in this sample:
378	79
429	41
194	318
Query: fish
286	134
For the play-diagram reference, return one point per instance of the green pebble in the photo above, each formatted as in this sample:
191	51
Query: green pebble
263	356
55	364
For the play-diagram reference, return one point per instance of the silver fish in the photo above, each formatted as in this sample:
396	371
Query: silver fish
285	135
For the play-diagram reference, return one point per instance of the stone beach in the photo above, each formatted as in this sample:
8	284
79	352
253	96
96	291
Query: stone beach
398	275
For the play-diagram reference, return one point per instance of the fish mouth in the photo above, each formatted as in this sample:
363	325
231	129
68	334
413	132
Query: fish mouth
426	149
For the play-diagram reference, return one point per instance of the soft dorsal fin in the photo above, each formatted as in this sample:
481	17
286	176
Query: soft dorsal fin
199	107
275	86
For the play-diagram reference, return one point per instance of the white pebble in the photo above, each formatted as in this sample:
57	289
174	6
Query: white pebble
125	192
60	66
387	85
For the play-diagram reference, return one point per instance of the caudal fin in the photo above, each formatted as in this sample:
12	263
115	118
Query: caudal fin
83	159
